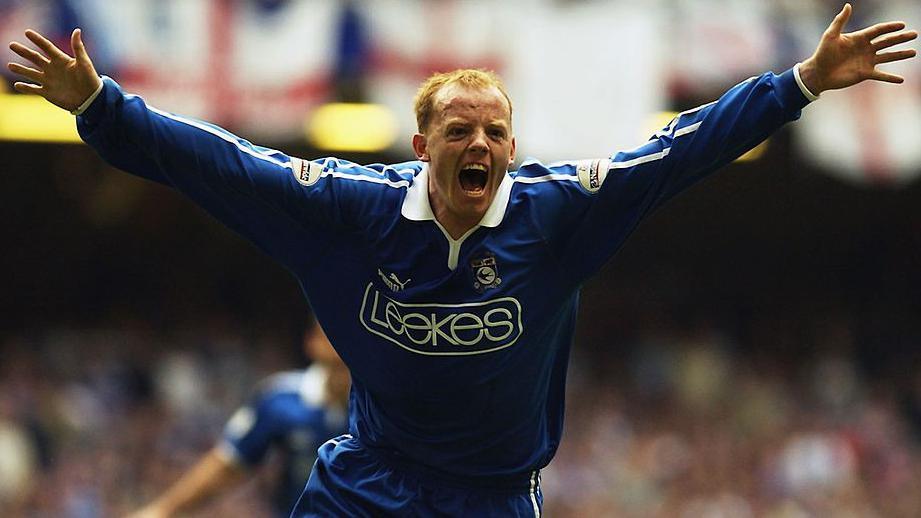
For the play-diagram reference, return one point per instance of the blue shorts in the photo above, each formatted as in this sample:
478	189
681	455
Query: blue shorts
351	480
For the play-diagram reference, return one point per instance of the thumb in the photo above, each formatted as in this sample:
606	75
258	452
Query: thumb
837	25
76	45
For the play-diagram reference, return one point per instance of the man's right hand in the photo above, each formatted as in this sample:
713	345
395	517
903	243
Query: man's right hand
63	80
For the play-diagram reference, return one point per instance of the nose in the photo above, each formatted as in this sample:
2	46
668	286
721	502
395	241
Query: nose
478	142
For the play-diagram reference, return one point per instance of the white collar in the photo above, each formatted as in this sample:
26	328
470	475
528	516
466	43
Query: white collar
416	205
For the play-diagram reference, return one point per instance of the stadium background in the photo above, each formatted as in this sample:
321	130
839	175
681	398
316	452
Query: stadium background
752	351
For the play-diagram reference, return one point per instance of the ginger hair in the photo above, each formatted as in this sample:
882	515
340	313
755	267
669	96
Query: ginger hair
468	77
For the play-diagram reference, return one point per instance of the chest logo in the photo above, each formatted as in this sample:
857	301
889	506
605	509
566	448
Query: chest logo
485	272
441	329
392	281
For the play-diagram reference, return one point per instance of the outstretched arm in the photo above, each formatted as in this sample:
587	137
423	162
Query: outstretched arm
213	474
63	80
627	186
268	197
845	59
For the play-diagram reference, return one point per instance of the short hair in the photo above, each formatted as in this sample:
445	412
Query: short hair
469	77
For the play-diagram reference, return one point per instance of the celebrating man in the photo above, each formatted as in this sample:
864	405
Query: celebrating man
448	285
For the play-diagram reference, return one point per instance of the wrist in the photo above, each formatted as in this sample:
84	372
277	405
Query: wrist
809	78
89	100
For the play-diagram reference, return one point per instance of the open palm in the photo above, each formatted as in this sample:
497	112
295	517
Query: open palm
845	59
63	80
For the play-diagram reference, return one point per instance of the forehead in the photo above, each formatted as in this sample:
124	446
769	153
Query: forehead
455	100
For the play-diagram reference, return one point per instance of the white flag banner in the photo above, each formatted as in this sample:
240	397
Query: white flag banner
586	78
583	77
715	43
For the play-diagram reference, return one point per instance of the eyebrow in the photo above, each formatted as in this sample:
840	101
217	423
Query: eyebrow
460	120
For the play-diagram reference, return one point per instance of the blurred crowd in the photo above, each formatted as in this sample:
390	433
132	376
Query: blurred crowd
682	421
694	429
96	422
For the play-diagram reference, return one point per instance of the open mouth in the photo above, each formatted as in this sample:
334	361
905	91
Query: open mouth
473	179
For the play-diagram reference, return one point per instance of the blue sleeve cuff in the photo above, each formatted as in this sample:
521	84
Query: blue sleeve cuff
791	95
95	110
89	100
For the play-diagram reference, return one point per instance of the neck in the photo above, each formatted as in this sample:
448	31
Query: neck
454	223
455	226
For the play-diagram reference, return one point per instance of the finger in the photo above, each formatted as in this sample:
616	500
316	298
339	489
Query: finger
886	77
888	57
27	53
77	46
50	49
837	25
27	88
35	75
894	39
875	31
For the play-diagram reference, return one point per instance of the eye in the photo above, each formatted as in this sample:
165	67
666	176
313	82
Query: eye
457	131
497	133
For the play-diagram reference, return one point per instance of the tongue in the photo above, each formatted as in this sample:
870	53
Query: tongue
473	180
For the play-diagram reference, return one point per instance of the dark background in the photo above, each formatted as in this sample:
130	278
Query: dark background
771	239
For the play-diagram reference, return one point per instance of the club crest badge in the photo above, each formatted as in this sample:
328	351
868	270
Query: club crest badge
485	272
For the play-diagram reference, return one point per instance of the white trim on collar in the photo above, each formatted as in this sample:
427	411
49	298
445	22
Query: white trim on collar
416	205
496	211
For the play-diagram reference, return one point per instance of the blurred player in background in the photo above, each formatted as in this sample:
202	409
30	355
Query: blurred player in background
292	413
449	284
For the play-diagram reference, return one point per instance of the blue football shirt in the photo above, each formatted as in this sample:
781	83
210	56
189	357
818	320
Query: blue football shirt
458	349
288	414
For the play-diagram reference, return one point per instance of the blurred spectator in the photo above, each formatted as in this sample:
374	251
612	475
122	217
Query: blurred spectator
698	426
17	458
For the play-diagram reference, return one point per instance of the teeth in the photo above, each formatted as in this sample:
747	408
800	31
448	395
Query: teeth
478	167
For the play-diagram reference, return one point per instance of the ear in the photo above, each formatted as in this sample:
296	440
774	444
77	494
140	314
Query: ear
420	146
511	158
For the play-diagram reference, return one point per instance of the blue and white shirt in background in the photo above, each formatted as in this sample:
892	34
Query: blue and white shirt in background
289	414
